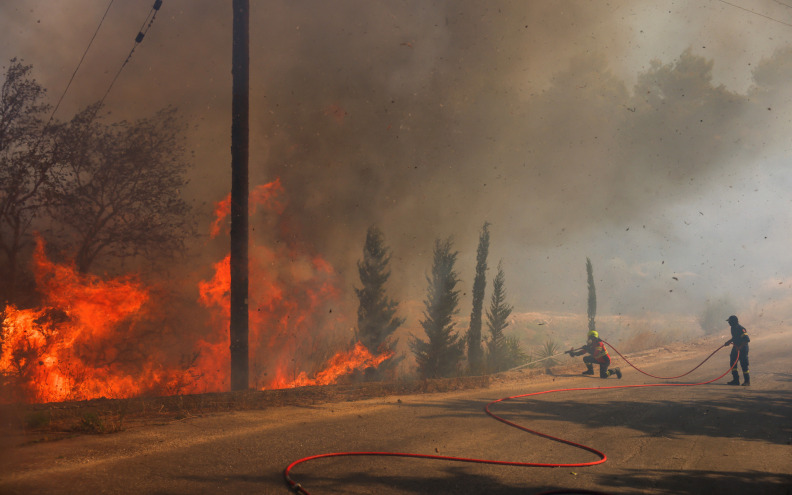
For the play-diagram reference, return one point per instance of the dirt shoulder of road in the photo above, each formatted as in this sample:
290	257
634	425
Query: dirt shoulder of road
32	423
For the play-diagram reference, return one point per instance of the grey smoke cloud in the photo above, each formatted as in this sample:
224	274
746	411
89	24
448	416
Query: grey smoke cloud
648	136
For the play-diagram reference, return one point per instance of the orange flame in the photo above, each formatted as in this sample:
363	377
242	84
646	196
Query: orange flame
291	297
343	363
63	350
93	338
265	195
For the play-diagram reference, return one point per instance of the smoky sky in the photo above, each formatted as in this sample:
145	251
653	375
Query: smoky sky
650	137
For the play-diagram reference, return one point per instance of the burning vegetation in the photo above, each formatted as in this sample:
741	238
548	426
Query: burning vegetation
94	338
87	194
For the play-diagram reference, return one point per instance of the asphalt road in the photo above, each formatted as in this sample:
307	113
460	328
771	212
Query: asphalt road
707	439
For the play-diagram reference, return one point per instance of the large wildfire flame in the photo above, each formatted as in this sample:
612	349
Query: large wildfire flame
291	296
93	338
65	349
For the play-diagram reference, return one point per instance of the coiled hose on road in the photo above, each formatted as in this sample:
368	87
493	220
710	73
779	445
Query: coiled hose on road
297	488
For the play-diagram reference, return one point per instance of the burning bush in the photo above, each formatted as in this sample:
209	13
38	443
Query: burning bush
112	338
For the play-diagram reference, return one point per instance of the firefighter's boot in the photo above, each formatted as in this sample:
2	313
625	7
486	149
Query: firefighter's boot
746	380
589	369
617	372
735	380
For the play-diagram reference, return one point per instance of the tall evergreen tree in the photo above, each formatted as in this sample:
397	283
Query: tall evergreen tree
497	320
440	356
475	351
376	320
592	296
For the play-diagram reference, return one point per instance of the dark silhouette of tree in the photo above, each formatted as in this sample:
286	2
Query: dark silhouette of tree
592	296
118	187
25	166
499	349
475	351
440	356
377	320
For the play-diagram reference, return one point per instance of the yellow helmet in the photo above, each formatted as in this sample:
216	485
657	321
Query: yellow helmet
593	333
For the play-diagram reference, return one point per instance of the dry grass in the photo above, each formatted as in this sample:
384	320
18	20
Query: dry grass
100	416
46	422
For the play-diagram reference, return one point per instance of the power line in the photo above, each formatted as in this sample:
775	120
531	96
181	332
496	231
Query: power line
783	4
757	13
141	34
52	115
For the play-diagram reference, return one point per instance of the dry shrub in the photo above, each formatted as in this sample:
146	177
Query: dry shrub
96	422
640	335
642	340
37	419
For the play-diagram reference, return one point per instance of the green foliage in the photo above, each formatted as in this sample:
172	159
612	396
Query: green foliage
513	353
37	419
440	356
540	354
592	296
475	351
549	348
499	355
376	319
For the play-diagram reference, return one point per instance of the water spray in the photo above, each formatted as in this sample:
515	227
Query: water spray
538	361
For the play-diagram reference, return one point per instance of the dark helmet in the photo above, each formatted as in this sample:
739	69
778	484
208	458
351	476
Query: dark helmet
732	320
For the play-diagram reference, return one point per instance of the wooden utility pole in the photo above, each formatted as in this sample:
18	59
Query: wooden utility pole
240	70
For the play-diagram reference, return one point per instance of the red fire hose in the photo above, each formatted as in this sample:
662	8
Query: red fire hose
297	488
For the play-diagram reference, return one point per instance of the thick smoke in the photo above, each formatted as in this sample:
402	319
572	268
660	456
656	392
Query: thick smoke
633	133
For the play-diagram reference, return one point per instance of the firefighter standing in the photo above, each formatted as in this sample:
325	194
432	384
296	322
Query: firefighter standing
598	354
739	343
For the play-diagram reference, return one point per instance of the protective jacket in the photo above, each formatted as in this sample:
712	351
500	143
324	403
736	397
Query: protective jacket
739	336
597	350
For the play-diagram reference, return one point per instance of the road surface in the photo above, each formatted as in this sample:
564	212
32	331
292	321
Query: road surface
703	439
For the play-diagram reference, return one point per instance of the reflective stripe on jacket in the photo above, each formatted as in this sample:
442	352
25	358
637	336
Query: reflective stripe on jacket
739	335
598	351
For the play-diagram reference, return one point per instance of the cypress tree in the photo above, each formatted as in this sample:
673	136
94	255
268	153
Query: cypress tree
376	318
440	356
592	295
497	320
475	351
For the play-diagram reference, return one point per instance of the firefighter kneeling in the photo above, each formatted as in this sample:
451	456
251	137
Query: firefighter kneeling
598	354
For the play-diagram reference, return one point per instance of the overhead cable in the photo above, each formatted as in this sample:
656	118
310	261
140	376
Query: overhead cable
141	34
52	115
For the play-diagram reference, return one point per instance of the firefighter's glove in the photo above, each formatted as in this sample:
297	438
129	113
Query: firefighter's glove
727	344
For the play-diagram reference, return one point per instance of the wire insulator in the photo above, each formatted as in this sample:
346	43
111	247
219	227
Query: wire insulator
139	37
157	4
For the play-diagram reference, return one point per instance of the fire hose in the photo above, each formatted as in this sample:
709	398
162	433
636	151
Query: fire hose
297	488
